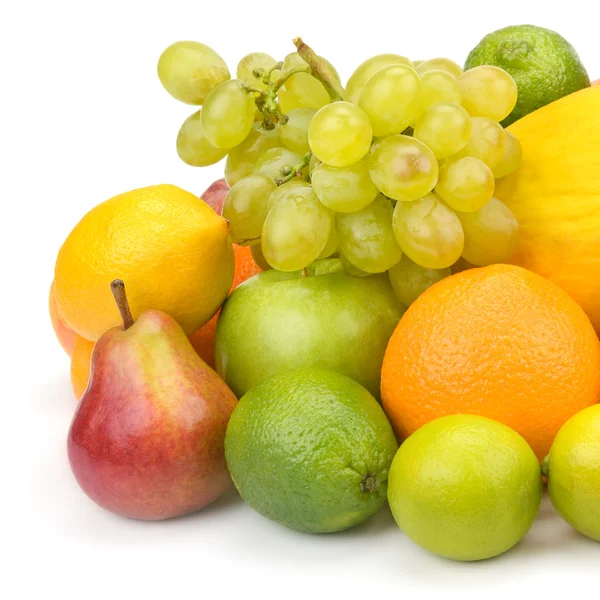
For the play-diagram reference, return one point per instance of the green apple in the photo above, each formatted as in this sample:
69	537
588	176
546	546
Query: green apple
278	321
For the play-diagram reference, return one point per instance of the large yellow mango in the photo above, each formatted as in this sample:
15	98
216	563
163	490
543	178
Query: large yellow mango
555	196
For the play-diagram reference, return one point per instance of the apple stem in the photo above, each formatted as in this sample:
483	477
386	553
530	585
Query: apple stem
117	287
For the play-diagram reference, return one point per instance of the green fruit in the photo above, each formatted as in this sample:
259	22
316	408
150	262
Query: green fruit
573	471
310	449
465	487
281	321
543	64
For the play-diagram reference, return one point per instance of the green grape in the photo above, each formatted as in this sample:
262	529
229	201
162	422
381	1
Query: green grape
442	64
283	189
466	184
445	128
295	61
366	237
252	62
416	63
351	269
439	86
428	232
241	161
192	146
402	168
511	159
302	90
392	99
313	164
344	190
228	114
363	73
333	243
410	280
259	258
340	134
294	134
487	141
190	70
488	91
245	208
296	230
491	234
272	161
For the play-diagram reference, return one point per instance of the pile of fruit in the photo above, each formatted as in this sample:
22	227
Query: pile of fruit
391	296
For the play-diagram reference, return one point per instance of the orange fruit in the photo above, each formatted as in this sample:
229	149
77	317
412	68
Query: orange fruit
500	342
202	340
64	334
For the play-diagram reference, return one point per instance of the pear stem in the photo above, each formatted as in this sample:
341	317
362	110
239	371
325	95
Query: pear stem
117	287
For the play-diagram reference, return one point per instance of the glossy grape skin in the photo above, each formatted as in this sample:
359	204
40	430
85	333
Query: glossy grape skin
511	158
344	190
272	161
488	91
340	134
351	269
190	70
302	90
228	114
283	189
333	243
367	69
428	232
313	164
392	99
241	160
439	86
491	234
258	257
487	141
252	62
442	64
296	230
402	168
366	237
445	128
410	280
295	61
245	208
192	146
294	133
466	184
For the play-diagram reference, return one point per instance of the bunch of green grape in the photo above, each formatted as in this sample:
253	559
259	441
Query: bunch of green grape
394	173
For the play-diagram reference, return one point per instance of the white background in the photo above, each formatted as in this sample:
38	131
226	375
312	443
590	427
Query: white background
83	117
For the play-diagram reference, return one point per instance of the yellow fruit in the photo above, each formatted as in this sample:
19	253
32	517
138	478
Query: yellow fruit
555	195
171	249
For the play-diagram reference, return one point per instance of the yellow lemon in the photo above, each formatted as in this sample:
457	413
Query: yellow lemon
171	249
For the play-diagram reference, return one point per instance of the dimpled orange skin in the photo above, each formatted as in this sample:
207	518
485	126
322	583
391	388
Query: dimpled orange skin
500	342
65	336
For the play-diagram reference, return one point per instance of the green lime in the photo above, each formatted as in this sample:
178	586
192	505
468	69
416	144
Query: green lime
573	471
310	449
543	64
465	487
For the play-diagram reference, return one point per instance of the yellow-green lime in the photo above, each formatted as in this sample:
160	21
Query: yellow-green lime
543	64
310	449
465	487
573	471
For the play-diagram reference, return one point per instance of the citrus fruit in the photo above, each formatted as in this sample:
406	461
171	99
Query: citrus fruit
203	340
310	449
80	365
172	251
500	342
465	487
573	471
66	337
543	64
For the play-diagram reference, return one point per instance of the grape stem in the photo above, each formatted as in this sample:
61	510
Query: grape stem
288	173
320	69
304	272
